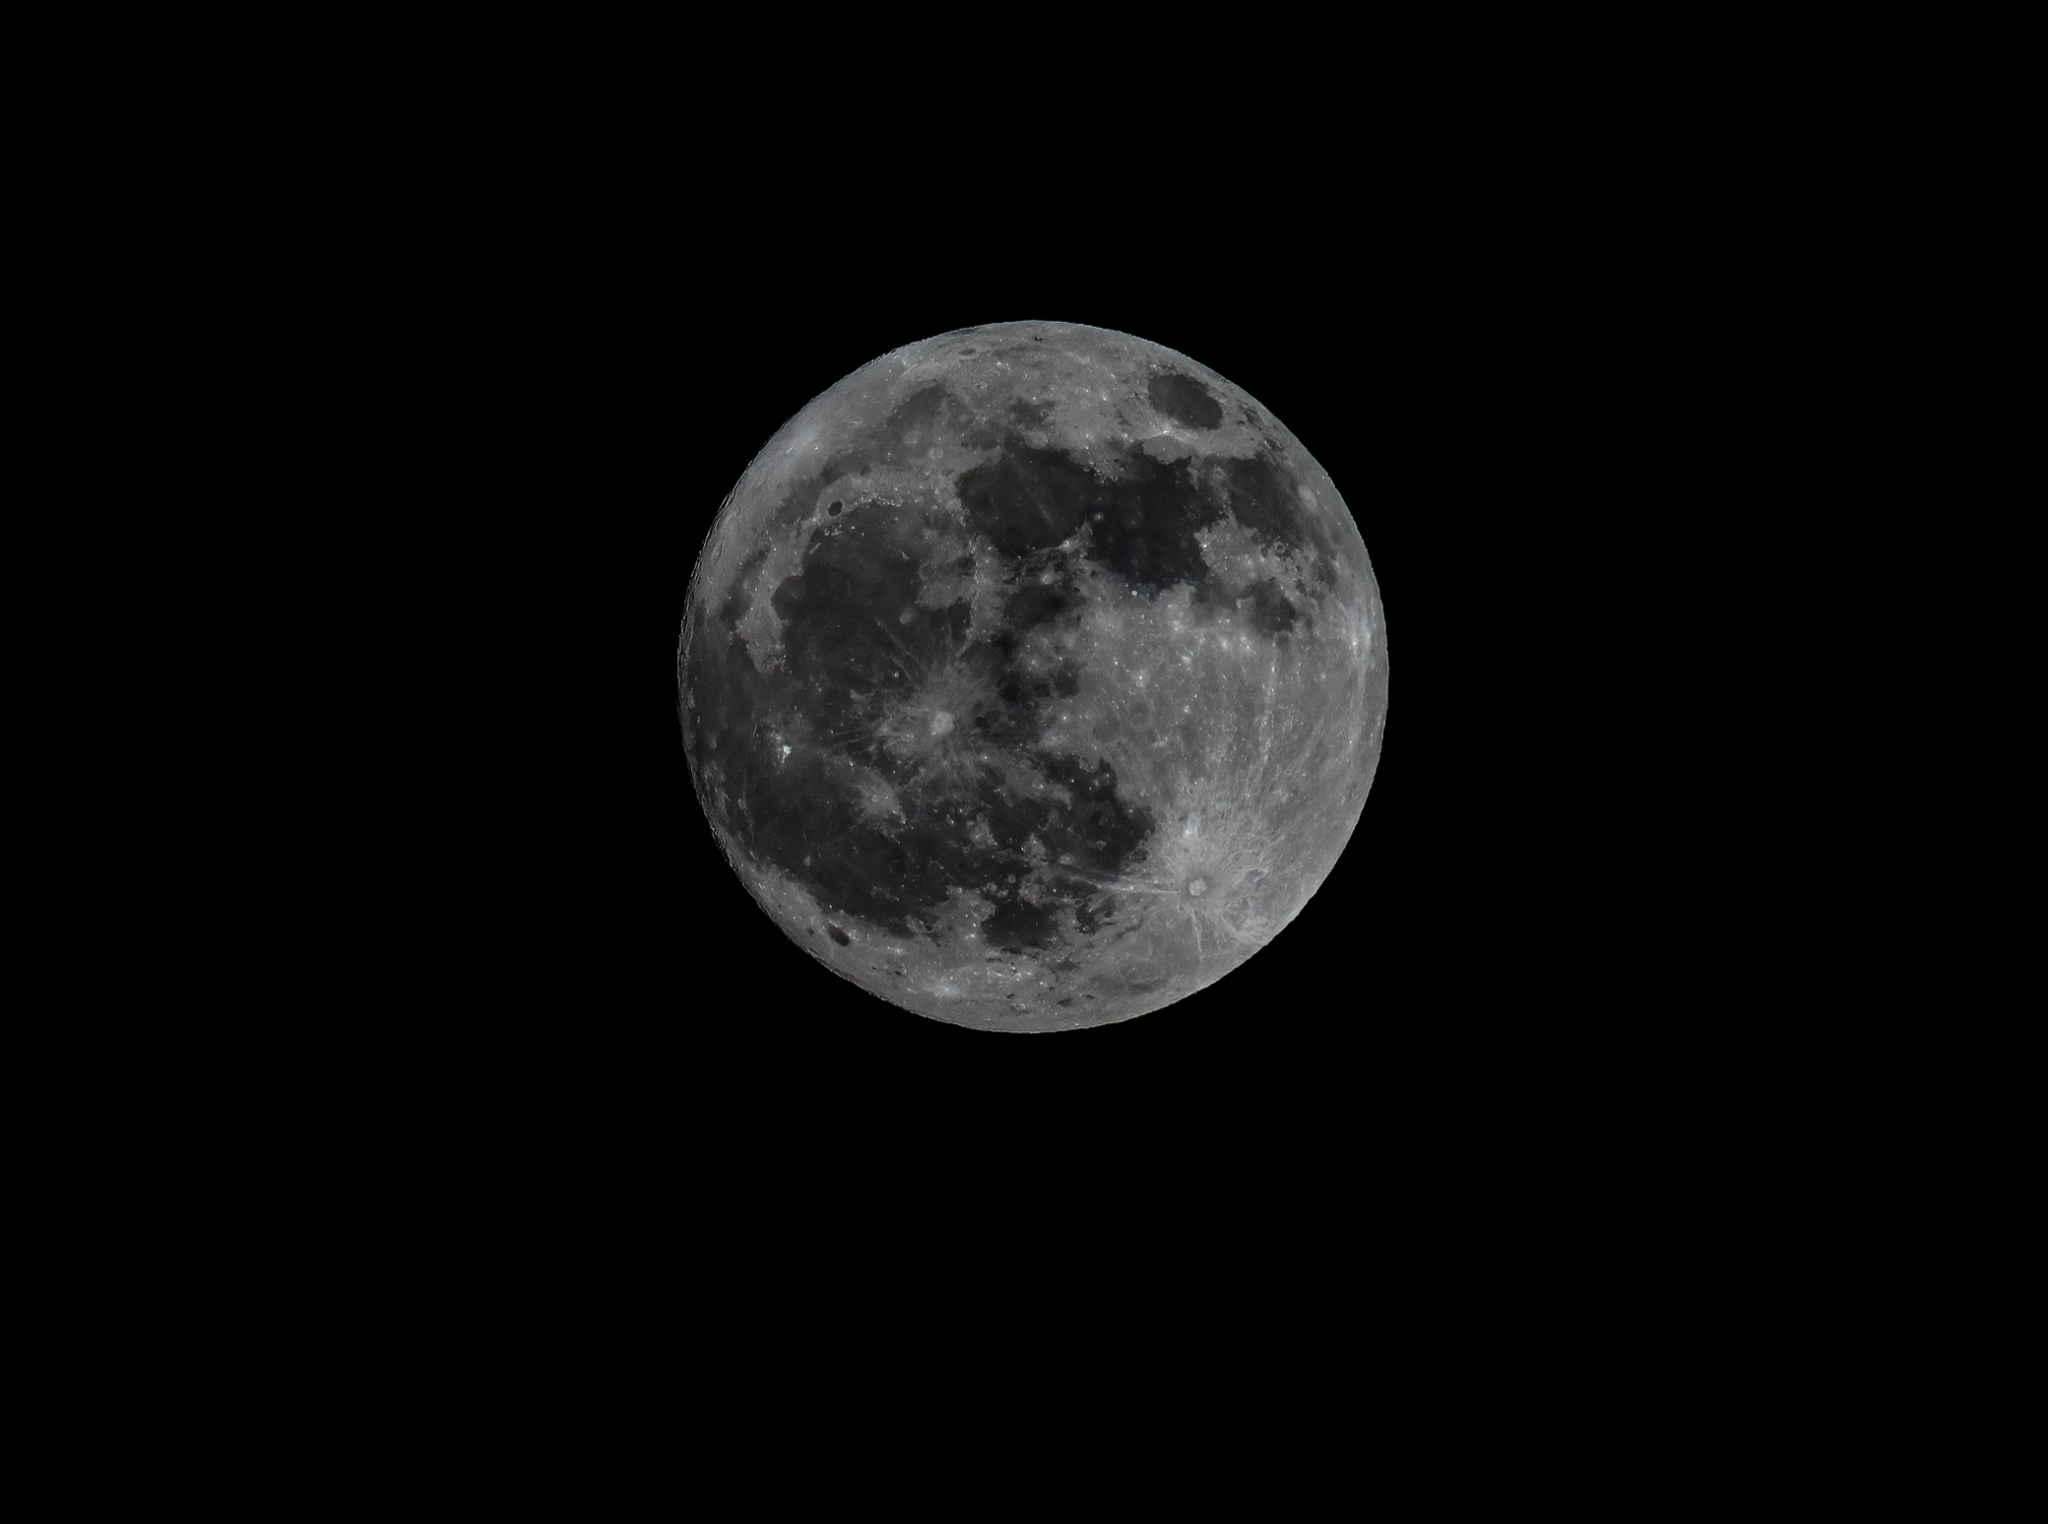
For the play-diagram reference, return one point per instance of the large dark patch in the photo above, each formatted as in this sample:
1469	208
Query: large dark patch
1016	925
795	809
772	749
1094	832
1037	602
790	808
1025	499
842	613
917	413
1269	610
802	815
1261	495
1097	830
1184	400
1264	496
1142	525
1142	518
854	634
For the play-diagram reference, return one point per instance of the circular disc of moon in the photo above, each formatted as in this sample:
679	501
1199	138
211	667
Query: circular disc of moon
1033	677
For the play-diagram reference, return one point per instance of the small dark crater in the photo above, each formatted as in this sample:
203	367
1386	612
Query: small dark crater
838	936
836	506
1066	680
1185	400
1068	1001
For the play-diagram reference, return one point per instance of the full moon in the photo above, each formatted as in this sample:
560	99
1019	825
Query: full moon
1033	677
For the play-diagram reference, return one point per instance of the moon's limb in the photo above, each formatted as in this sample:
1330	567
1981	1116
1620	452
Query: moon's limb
1033	677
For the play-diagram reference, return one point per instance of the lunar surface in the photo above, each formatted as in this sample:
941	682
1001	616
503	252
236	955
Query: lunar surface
1033	677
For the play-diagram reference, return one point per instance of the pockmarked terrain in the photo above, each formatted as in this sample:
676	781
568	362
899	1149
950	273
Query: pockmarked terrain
1033	677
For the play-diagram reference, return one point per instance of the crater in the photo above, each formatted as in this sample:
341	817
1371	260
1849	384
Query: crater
1185	400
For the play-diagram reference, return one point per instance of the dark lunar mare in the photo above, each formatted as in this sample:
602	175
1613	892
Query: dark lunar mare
854	636
1142	523
1143	515
1025	499
1263	495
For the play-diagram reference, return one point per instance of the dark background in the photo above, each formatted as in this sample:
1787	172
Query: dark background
637	353
1306	350
548	387
549	360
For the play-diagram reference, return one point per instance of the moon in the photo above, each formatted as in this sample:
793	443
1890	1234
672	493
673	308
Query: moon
1033	677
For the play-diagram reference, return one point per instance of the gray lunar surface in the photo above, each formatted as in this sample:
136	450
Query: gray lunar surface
1033	677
